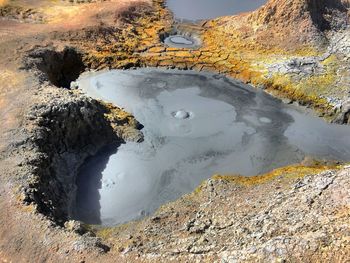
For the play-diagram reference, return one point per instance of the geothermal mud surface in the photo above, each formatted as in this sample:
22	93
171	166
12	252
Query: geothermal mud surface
195	125
206	9
181	41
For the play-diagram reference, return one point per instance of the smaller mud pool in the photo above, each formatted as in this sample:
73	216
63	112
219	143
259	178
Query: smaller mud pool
195	125
181	41
193	10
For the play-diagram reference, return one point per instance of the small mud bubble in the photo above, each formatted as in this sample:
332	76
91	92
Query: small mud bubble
181	114
265	120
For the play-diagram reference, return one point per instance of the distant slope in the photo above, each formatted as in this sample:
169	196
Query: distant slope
288	23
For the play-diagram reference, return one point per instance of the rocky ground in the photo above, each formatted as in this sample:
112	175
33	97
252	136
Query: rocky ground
298	213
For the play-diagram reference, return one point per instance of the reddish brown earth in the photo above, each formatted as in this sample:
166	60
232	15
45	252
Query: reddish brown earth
26	236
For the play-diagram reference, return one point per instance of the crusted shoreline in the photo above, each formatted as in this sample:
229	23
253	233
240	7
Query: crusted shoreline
67	130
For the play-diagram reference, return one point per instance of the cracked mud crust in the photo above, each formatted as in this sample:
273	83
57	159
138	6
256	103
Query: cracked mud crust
298	213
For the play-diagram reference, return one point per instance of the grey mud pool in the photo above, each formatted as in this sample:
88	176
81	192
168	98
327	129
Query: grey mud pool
193	10
195	125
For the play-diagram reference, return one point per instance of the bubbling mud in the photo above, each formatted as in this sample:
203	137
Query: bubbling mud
195	125
182	114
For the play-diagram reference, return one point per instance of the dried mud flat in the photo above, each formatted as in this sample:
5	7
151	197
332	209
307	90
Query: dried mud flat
297	213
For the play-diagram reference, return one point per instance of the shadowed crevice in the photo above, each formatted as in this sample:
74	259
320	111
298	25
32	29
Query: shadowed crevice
60	68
